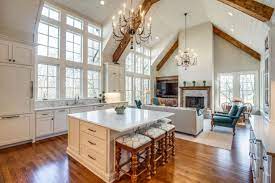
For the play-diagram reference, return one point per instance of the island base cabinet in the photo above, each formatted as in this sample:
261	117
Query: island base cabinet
73	135
14	129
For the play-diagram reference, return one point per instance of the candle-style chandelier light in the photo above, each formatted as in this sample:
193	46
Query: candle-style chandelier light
133	23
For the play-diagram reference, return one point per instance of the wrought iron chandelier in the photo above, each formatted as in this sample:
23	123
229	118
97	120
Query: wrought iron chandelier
133	23
187	57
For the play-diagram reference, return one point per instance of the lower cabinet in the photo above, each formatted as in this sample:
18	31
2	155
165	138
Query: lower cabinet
14	129
44	126
60	120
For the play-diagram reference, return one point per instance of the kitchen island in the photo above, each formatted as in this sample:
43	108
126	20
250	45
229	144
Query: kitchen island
91	136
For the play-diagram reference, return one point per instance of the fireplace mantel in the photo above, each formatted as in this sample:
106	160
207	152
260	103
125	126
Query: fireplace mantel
207	88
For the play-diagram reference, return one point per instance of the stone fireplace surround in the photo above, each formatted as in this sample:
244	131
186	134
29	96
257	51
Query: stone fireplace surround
195	91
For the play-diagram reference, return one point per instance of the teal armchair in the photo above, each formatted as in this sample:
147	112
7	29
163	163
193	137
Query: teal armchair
228	120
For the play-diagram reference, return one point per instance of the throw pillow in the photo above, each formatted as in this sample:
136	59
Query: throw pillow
156	101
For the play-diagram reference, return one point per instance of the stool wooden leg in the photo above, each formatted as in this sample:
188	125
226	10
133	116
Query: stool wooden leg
134	166
163	147
153	162
148	163
166	147
117	166
173	144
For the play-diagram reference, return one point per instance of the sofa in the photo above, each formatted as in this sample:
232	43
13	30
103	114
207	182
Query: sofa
186	120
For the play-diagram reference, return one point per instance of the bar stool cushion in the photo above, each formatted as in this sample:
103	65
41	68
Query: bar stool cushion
164	120
133	140
164	126
152	132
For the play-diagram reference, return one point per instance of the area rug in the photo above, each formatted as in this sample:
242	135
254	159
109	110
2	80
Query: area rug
220	137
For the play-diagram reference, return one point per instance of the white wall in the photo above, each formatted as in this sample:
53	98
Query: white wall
170	68
199	38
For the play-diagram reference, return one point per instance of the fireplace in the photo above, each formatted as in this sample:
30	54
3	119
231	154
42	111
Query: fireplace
194	102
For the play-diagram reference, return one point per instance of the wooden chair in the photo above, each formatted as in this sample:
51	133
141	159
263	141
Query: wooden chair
158	146
165	124
137	145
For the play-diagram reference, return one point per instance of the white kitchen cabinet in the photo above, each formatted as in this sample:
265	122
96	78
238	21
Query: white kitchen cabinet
14	128
22	54
114	77
5	51
79	109
15	53
16	91
60	120
44	123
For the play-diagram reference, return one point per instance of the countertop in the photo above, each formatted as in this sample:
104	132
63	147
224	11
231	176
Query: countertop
75	106
265	132
132	118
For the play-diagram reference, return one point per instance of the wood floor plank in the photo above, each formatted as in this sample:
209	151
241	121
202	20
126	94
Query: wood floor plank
47	161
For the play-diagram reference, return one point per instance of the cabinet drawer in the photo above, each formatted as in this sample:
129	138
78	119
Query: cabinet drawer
93	130
92	142
93	157
44	114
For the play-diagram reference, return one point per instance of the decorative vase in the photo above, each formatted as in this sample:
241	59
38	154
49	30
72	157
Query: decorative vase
184	83
204	83
194	83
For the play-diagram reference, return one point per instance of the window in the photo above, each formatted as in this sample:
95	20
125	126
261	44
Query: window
50	12
73	47
226	88
137	76
47	82
247	88
74	22
73	82
94	52
129	89
93	83
266	84
94	30
129	65
48	40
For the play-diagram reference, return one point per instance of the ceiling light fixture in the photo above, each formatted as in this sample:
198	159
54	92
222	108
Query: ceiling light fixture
232	29
230	14
102	2
187	57
132	23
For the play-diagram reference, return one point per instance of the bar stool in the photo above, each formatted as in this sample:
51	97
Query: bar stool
137	145
158	146
169	138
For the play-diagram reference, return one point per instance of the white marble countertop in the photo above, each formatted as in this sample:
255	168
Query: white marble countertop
264	131
76	106
132	118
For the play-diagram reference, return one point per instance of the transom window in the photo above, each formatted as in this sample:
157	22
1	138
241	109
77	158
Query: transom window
73	47
94	52
50	12
48	40
93	83
46	81
73	82
74	22
94	30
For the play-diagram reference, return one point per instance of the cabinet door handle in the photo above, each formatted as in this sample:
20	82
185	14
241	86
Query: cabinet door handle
13	60
92	143
92	130
10	117
91	157
9	60
100	105
31	90
62	110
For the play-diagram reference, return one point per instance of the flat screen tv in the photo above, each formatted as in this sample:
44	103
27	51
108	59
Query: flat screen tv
167	89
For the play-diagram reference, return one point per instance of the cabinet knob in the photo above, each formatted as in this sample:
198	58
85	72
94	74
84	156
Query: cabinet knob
9	60
13	60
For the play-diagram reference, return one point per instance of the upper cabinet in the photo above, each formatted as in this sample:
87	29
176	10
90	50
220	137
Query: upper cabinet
113	78
15	53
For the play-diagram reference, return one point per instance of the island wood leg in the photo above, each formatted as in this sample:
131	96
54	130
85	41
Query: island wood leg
163	151
117	166
153	162
148	163
134	167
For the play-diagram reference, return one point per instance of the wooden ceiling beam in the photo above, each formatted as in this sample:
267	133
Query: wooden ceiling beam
252	8
237	43
168	55
147	4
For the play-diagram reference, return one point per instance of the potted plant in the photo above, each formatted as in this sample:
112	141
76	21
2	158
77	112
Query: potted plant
204	83
184	83
194	83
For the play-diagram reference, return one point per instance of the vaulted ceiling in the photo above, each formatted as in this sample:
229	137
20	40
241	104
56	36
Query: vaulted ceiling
168	18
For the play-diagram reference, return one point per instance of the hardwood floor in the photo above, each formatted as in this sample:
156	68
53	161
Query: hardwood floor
47	162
